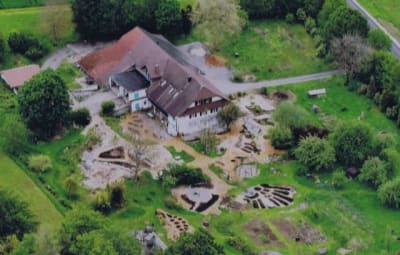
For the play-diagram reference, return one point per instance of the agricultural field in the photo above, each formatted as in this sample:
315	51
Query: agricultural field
270	50
387	13
27	20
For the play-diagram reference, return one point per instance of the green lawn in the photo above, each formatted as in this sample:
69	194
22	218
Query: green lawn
186	157
341	104
5	4
269	50
185	3
387	12
14	179
28	20
68	73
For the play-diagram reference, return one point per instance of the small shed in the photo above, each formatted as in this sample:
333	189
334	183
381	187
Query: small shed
16	77
316	92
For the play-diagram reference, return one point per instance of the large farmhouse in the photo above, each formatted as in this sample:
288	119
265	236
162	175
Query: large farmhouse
150	73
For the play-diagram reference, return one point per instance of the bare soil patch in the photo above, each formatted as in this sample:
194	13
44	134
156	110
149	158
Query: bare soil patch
215	61
262	234
175	225
300	233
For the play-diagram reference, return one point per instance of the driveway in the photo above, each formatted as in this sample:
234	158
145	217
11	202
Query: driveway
221	77
374	24
73	51
93	102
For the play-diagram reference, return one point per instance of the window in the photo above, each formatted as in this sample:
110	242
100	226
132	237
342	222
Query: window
136	95
145	102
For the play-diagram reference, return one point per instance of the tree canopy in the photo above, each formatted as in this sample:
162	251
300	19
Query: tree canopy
16	216
352	142
344	21
228	114
349	53
199	243
169	18
44	104
315	153
379	40
373	172
290	116
389	193
217	20
86	232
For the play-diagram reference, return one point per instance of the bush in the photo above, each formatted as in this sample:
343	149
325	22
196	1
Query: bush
392	158
379	40
107	108
281	137
389	193
71	187
40	163
301	15
383	141
20	42
35	53
373	172
102	201
352	142
26	44
92	139
339	179
80	117
171	204
264	91
291	116
290	18
184	175
315	153
2	50
310	26
116	194
240	245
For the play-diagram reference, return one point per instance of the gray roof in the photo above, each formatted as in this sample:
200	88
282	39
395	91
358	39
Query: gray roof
131	80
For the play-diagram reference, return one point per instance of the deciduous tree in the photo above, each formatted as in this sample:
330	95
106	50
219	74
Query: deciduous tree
315	153
199	243
209	140
349	53
44	104
228	114
139	151
15	136
379	40
217	20
16	216
352	142
344	21
169	18
290	116
373	172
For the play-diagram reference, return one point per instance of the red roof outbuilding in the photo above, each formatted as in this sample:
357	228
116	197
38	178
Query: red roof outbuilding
16	77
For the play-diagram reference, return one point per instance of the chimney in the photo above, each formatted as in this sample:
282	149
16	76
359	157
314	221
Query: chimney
157	69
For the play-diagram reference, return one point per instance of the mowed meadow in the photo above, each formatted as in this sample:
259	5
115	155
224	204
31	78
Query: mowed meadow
387	12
